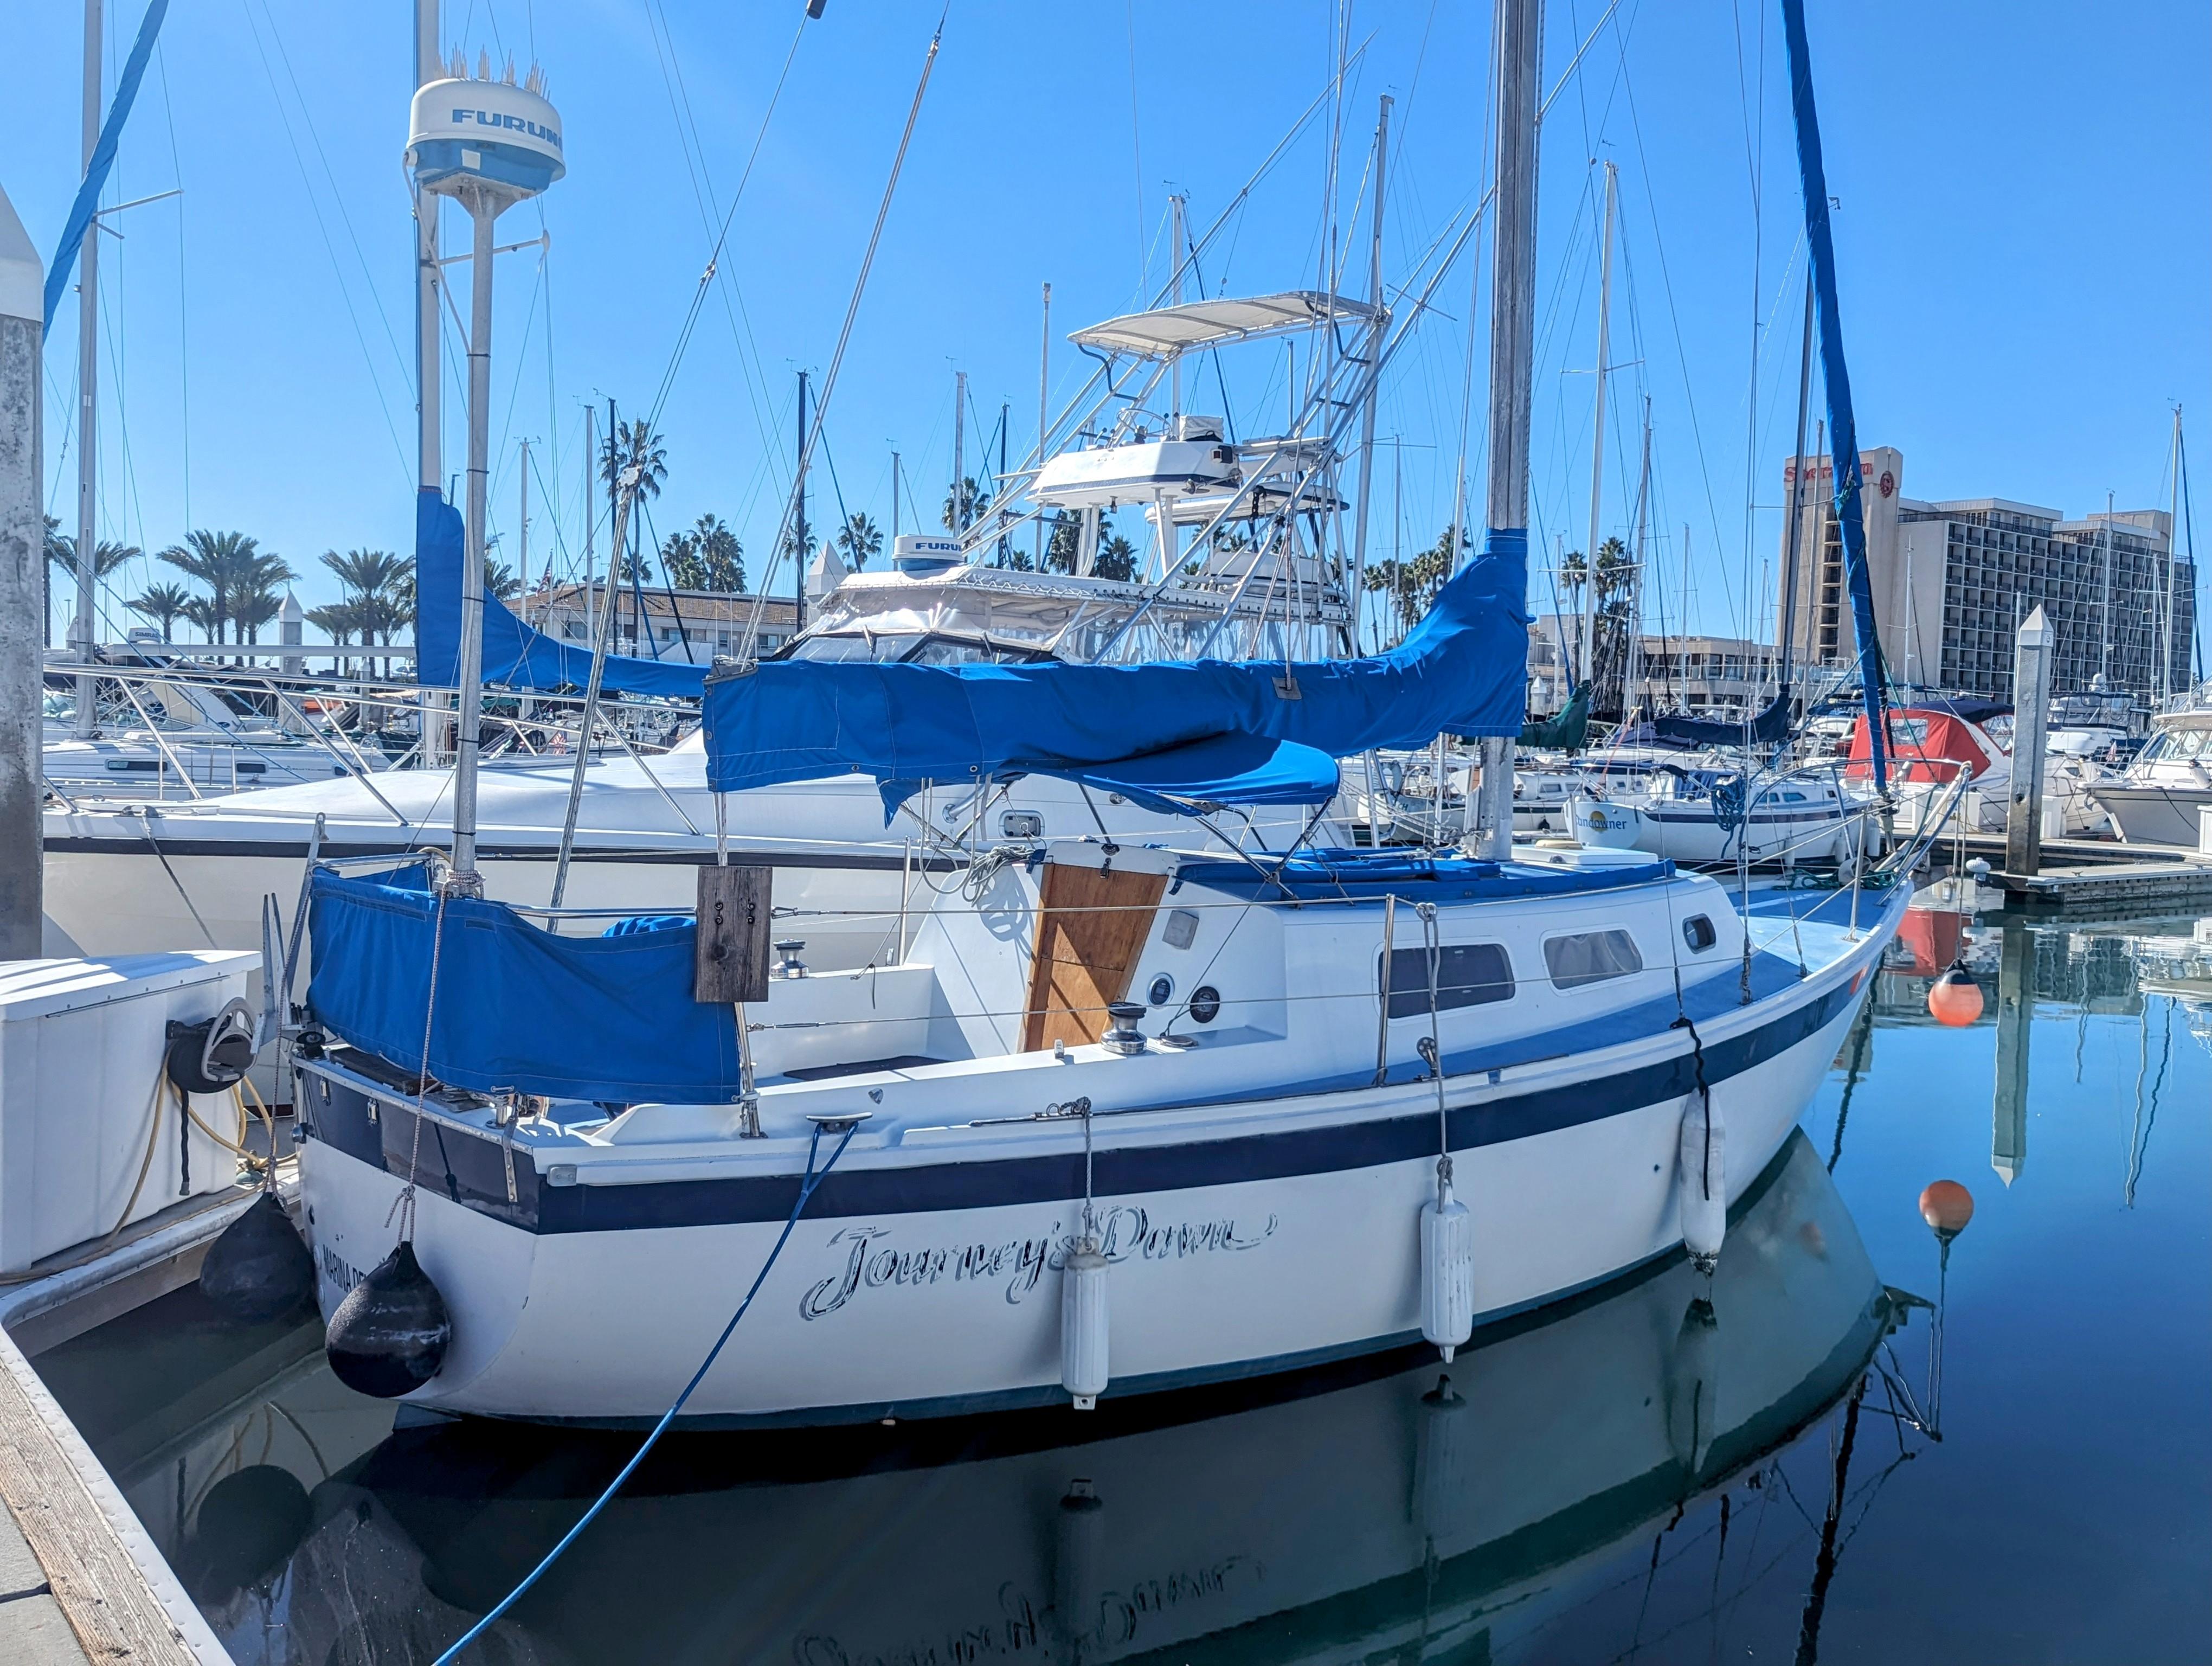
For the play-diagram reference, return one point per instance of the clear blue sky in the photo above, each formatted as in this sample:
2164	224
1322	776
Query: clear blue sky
2023	238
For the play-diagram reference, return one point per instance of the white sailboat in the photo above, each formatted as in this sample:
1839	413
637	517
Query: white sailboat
1002	1180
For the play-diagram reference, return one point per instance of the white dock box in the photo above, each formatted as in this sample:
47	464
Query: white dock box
80	1047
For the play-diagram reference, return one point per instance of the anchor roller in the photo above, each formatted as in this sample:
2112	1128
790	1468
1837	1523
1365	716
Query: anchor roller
1703	1176
1447	1267
1083	1360
390	1334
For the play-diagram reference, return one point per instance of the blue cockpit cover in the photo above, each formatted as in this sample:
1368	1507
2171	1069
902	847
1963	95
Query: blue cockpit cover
607	1019
514	655
1461	670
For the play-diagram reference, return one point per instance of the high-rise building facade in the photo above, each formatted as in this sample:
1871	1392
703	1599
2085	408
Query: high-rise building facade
1952	580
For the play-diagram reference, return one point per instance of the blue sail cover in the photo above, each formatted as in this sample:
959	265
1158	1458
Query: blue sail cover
86	203
609	1019
1461	670
514	655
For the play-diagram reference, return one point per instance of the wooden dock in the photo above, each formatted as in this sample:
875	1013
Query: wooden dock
2106	875
81	1580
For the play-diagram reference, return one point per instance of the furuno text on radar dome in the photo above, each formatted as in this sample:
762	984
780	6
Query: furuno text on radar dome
489	130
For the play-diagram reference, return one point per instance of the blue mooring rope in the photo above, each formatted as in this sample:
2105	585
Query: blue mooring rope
805	1190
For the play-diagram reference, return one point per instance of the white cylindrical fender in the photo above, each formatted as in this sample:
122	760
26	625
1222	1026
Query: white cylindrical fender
1702	1177
1692	1385
1445	1451
1078	1563
1447	1270
1083	1370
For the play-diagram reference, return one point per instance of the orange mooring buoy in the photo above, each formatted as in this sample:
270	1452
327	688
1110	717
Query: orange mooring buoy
1955	1000
1947	1207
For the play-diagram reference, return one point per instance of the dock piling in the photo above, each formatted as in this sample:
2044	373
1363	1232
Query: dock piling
23	588
2031	687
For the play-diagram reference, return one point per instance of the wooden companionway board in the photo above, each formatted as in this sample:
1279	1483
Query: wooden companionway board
1091	925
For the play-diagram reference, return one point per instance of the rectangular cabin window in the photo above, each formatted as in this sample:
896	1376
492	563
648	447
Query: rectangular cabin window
1590	958
1467	975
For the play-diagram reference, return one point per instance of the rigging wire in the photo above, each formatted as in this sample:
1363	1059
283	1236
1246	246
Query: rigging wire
812	1178
721	239
330	247
845	333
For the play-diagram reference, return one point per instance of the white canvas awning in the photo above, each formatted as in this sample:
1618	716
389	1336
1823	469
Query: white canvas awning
1200	323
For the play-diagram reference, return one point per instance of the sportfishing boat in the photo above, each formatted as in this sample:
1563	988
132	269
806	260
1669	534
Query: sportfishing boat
130	875
1271	1110
2162	797
1230	570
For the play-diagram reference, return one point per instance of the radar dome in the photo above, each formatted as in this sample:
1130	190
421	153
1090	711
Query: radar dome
464	130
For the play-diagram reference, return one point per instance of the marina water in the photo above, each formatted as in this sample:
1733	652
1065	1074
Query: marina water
1853	1443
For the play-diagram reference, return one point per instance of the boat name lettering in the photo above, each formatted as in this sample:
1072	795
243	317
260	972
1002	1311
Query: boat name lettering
1114	1622
336	1271
1126	1232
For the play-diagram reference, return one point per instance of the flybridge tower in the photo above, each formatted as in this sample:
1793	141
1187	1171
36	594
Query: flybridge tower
488	144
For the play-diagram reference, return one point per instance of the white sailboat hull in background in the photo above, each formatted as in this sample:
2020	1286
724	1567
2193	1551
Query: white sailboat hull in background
193	875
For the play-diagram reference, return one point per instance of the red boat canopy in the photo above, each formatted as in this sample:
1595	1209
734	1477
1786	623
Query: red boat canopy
1925	745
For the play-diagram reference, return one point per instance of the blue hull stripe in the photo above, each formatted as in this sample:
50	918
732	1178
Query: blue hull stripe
472	1168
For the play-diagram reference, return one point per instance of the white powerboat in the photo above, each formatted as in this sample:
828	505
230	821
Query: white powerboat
2165	790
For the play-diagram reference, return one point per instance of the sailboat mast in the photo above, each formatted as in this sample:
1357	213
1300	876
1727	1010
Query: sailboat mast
1786	636
959	452
1371	352
1634	677
1044	416
87	391
1518	49
800	532
1597	433
591	526
2104	609
2173	546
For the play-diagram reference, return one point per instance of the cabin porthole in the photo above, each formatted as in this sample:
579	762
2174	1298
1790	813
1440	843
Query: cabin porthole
1162	991
1697	932
1204	1004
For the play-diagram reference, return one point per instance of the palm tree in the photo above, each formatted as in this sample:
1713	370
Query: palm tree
975	499
1116	559
366	573
164	604
252	605
61	552
340	620
858	539
230	564
500	582
257	592
707	556
634	446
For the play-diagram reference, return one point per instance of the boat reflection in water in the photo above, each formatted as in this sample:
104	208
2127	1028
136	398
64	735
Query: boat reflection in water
1387	1504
